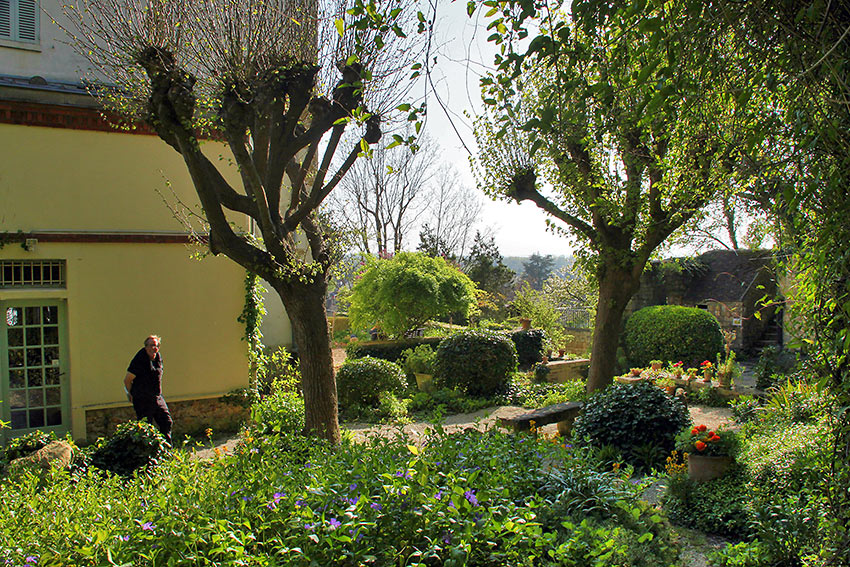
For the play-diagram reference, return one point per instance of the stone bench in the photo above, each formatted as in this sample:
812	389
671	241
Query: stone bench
563	414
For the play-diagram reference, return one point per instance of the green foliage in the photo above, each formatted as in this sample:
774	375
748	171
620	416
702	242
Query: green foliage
468	498
529	345
477	362
709	397
743	554
280	411
540	308
444	401
716	506
629	416
26	445
745	408
541	373
773	362
419	360
672	333
361	381
135	445
537	269
388	350
409	289
525	393
484	266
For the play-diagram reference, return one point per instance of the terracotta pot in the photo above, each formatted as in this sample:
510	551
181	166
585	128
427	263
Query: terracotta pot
704	467
656	366
671	390
526	324
424	382
724	380
706	376
561	352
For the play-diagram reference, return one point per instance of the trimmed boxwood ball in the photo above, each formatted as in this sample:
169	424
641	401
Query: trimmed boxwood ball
134	445
632	417
529	345
477	362
360	381
672	333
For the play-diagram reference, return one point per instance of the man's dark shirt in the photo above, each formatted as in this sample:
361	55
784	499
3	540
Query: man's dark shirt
148	373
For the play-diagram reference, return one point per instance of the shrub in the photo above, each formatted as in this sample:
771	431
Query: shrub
629	416
716	506
388	350
773	361
282	411
360	381
745	409
672	332
477	362
407	290
709	397
27	444
529	346
419	360
135	445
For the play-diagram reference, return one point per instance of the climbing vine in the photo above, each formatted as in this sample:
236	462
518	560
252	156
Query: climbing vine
252	317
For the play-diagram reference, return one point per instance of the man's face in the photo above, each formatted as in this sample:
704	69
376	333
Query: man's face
152	347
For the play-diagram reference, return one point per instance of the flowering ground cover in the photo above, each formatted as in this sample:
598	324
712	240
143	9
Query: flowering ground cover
467	498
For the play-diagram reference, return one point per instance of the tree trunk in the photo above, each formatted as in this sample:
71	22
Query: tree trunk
616	288
305	305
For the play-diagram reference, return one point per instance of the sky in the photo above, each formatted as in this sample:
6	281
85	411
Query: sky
519	229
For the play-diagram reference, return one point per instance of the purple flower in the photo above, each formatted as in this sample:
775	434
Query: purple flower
31	559
299	503
447	539
246	498
148	527
123	537
439	495
470	497
334	523
352	501
375	506
352	486
309	527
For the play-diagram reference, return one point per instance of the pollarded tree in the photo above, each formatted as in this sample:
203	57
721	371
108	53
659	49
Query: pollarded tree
618	122
404	292
280	82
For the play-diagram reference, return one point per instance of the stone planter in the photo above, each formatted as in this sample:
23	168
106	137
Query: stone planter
704	467
425	382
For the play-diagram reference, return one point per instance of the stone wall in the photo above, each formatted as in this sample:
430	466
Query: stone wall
191	417
580	342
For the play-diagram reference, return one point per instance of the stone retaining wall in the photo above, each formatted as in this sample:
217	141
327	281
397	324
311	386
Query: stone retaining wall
191	417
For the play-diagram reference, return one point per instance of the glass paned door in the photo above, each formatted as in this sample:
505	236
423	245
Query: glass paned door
33	362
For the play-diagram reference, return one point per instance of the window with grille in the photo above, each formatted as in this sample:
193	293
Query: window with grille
32	273
19	20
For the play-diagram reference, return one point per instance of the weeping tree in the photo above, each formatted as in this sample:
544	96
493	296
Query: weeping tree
279	82
619	122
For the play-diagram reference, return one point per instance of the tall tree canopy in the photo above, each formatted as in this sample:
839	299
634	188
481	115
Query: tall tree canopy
280	81
618	121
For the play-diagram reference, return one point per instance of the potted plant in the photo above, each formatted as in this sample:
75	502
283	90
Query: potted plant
525	323
636	371
656	364
676	369
667	384
727	370
692	373
710	452
419	361
707	370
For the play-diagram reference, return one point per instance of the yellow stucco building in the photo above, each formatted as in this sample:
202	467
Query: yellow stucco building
93	257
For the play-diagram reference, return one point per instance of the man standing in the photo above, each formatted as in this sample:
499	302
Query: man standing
143	384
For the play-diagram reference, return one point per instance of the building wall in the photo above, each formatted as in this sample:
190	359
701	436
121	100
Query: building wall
117	294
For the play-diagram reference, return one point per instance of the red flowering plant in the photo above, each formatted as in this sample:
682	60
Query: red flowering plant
706	365
700	440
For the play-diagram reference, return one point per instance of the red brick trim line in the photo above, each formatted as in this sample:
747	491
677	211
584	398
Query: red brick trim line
105	237
57	116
